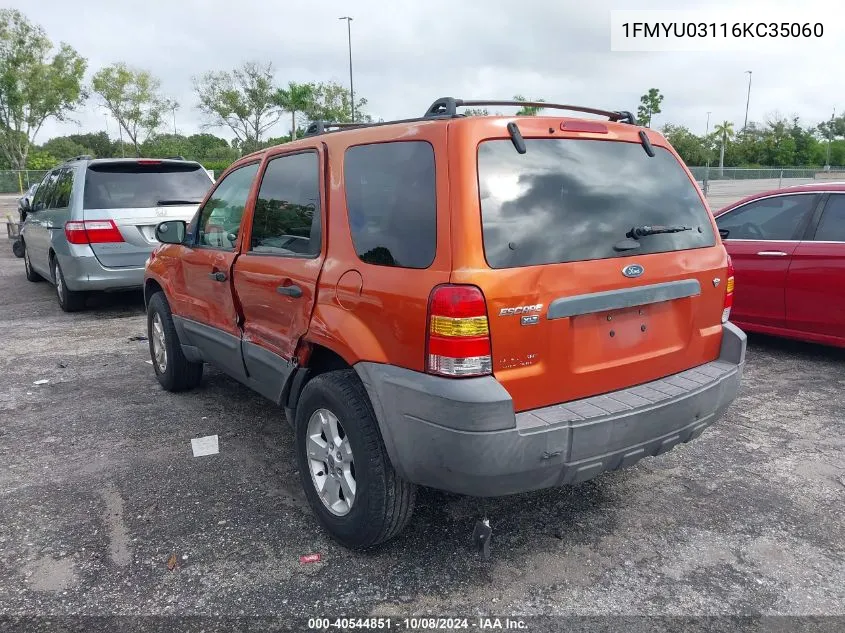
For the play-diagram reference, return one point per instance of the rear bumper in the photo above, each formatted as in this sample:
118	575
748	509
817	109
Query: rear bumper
463	436
82	271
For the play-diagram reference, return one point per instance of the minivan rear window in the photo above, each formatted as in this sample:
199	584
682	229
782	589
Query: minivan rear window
568	200
126	185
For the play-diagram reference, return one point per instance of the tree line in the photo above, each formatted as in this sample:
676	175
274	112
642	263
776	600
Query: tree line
40	81
778	142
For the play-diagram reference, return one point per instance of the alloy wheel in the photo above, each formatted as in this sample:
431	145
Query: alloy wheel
331	462
159	347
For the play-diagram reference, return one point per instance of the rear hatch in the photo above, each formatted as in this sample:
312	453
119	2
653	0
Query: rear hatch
136	195
575	307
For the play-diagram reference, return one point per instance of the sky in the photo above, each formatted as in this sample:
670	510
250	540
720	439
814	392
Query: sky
408	53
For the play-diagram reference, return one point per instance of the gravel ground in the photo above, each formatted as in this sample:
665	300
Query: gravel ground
98	488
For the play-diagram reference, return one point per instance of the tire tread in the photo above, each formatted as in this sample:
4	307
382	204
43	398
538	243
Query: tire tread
392	502
182	374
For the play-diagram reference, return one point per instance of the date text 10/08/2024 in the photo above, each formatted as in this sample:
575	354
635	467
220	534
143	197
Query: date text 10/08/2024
723	29
419	624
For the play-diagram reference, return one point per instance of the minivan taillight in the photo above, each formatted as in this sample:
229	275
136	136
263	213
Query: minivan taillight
729	292
458	335
92	232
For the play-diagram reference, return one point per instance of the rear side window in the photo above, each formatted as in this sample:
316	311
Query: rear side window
568	200
127	185
832	225
286	220
391	199
774	218
45	191
64	186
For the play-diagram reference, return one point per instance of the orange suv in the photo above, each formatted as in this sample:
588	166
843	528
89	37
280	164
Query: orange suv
480	304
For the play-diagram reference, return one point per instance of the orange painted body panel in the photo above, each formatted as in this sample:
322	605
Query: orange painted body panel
565	359
378	314
365	312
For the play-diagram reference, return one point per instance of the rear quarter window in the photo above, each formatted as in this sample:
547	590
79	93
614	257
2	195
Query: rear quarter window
568	200
391	202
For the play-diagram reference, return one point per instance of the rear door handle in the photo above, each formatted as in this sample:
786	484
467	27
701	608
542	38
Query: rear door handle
772	254
290	291
217	275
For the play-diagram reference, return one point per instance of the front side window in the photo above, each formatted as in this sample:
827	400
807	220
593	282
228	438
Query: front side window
568	200
775	218
220	218
286	220
392	203
832	224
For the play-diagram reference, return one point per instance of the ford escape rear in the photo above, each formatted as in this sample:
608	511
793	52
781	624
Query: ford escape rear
484	305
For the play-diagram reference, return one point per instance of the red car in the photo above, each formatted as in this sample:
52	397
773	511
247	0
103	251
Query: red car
788	251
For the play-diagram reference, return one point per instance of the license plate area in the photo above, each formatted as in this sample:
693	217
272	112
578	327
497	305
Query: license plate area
148	231
627	335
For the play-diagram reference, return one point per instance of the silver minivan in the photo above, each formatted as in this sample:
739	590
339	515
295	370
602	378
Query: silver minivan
91	224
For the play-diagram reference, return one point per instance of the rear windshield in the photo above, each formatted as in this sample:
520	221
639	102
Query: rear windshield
134	185
569	200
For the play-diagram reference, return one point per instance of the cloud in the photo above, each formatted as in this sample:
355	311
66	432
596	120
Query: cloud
407	53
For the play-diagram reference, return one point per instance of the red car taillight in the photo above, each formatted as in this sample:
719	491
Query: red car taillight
92	232
729	292
458	335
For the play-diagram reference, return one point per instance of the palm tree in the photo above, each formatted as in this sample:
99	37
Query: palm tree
724	132
295	98
527	110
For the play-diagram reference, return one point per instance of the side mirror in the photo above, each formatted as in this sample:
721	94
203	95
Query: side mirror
723	233
25	206
171	232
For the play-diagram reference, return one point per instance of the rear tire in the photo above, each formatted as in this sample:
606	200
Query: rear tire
383	502
173	371
31	275
69	300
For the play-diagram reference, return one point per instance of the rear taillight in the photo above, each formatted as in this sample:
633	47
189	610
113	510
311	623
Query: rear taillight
729	292
458	337
92	232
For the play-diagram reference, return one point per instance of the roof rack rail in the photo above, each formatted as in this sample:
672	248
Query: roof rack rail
321	127
174	158
448	106
80	157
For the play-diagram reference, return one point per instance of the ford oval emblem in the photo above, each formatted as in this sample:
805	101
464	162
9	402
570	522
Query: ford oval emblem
633	270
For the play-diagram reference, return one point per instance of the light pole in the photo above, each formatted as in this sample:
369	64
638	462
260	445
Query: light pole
173	107
747	101
706	179
830	137
351	87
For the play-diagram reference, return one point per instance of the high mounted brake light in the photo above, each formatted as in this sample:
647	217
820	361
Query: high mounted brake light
458	335
729	292
92	232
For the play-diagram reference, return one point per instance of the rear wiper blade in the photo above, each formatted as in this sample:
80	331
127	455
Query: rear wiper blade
641	231
163	203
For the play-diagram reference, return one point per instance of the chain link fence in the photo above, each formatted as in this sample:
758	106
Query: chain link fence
18	181
762	173
766	177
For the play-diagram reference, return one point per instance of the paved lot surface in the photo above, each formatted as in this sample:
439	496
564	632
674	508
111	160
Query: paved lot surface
98	488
